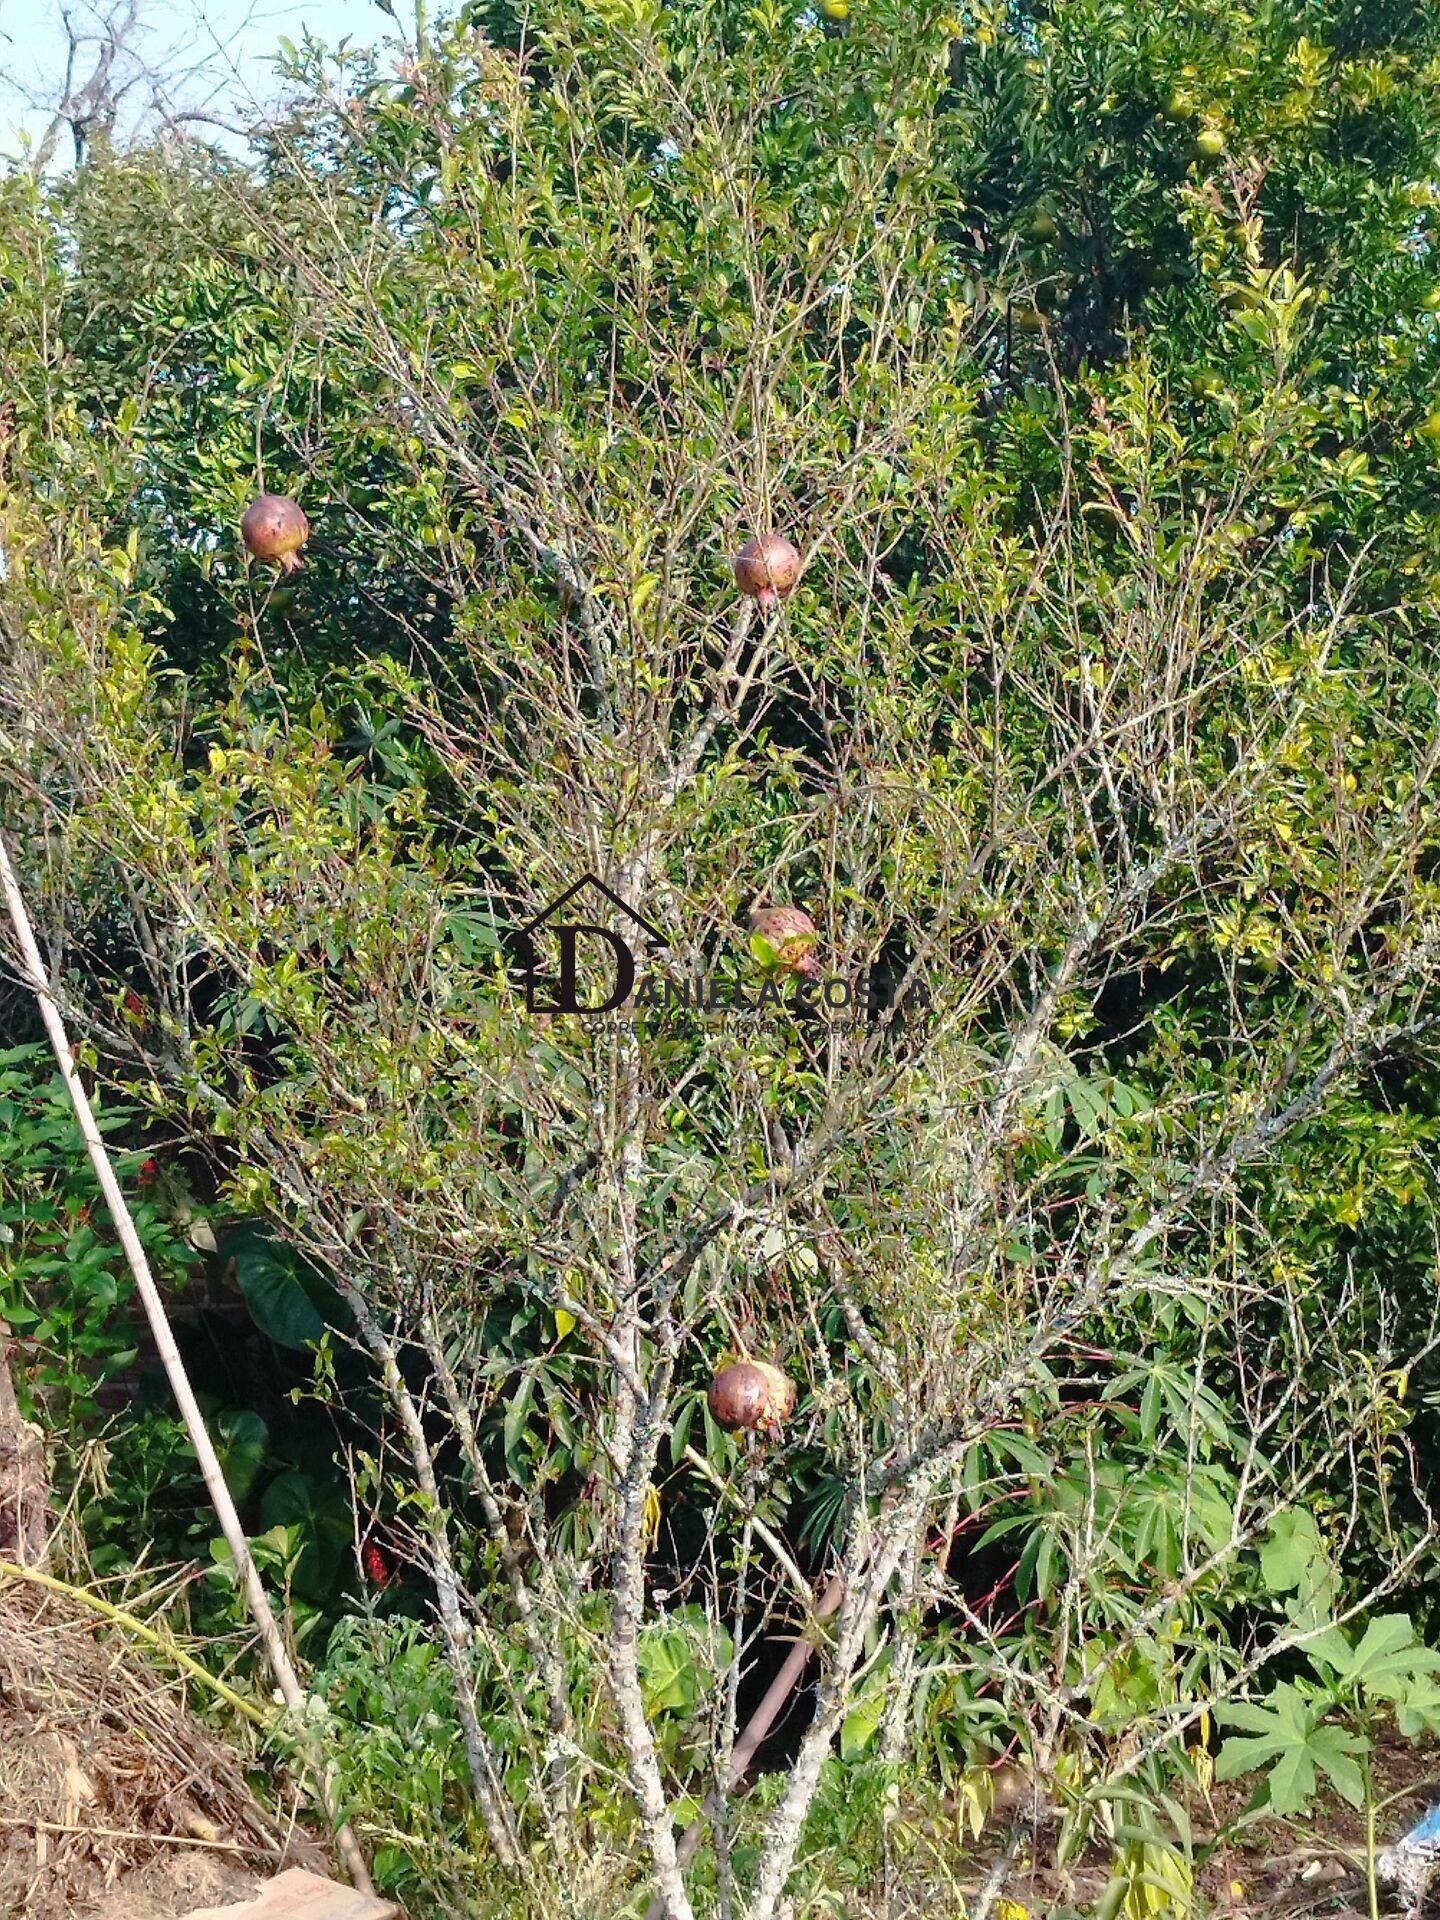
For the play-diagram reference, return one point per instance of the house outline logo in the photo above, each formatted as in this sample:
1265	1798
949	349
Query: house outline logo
567	933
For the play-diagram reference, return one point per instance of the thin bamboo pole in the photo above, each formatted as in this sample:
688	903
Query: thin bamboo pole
256	1598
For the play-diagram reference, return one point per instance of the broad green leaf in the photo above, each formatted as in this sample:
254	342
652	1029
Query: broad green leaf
861	1723
1289	1549
241	1440
281	1289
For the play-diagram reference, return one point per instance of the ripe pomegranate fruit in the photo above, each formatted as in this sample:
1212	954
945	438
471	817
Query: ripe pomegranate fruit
791	932
766	569
751	1396
275	528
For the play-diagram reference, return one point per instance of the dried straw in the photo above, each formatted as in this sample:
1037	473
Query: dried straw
103	1765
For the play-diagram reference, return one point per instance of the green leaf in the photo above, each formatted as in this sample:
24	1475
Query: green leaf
516	1415
1330	1649
1286	1737
1087	1106
241	1441
1289	1549
1332	1749
861	1723
667	1670
1292	1781
1388	1659
680	1427
281	1289
1419	1710
319	1514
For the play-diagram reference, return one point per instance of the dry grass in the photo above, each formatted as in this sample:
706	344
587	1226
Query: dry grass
107	1776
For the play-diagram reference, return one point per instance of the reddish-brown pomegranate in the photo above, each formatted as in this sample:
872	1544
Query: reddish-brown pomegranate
275	528
751	1396
791	932
766	569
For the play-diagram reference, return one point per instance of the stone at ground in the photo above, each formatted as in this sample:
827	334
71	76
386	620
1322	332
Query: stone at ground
298	1895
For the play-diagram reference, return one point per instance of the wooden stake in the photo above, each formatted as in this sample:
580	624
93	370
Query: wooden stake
255	1596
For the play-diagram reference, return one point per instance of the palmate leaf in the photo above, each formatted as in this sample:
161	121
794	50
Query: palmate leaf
1292	1781
1285	1734
667	1672
1419	1711
1332	1749
1286	1719
1289	1549
1389	1660
1294	1560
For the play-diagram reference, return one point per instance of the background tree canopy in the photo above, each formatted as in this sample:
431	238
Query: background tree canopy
1087	352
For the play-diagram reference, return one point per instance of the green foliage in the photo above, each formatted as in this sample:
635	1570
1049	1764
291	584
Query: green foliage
397	1746
65	1287
1299	1733
288	1298
1287	1737
1151	1875
1090	351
